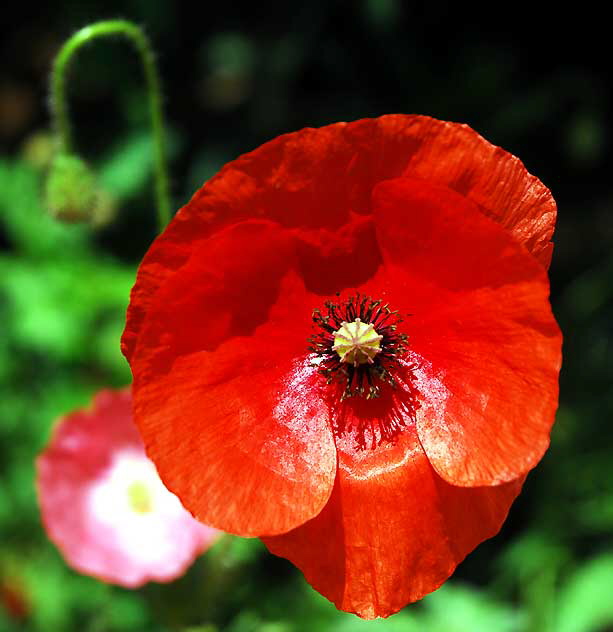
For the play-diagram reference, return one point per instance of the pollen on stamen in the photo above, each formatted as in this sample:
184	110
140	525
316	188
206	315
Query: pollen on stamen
357	344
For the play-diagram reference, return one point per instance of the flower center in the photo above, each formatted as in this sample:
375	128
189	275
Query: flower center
357	342
139	497
357	345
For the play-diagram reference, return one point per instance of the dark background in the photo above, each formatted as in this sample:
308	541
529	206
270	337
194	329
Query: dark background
533	79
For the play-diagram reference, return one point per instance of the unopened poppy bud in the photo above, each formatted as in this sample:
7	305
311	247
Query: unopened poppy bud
71	192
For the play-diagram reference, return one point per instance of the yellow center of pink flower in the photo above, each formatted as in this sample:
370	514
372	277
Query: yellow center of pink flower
357	342
139	497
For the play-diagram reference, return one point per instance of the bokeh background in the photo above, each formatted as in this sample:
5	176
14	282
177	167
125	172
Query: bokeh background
533	80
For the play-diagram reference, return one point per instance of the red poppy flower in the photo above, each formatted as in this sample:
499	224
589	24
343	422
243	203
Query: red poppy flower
278	391
103	504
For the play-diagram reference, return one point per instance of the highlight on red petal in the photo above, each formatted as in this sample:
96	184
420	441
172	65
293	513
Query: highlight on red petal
315	179
481	322
103	504
393	531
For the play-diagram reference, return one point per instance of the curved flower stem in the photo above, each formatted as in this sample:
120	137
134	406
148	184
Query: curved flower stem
59	102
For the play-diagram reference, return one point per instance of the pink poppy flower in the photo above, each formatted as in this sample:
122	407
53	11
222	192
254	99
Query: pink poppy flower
104	505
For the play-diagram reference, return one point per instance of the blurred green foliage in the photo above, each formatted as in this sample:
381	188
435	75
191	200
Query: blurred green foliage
246	75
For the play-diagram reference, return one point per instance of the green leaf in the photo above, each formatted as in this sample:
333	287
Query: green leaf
457	608
128	166
585	603
70	309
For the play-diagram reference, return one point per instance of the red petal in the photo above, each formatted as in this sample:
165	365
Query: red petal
330	261
315	179
222	387
392	530
497	182
168	253
482	327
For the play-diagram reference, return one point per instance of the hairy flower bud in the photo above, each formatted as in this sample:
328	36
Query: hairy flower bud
71	193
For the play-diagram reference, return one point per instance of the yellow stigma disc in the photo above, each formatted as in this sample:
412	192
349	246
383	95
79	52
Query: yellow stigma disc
357	342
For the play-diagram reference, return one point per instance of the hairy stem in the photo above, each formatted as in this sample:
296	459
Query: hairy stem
59	101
